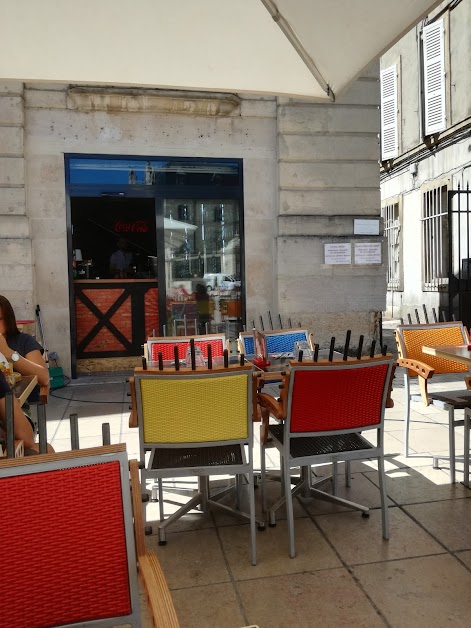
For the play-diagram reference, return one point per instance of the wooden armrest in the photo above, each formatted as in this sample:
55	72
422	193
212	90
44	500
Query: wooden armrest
44	394
389	400
420	368
150	572
133	422
467	381
425	373
274	407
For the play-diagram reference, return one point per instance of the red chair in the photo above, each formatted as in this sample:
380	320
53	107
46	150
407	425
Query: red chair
69	556
324	407
166	344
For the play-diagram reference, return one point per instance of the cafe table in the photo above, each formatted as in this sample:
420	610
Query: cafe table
459	353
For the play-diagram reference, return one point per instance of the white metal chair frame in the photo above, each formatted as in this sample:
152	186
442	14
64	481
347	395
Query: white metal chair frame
203	498
282	437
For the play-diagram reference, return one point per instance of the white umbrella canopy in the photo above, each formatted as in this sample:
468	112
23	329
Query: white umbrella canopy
310	48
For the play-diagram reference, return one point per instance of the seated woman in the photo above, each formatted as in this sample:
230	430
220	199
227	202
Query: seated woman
23	426
22	349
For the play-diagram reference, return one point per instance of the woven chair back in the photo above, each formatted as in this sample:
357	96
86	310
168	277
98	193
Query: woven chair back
75	520
278	341
194	408
166	346
337	397
411	339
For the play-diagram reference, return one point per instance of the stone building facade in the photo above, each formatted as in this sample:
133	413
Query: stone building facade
309	169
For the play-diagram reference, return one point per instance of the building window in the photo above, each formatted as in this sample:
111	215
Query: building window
389	113
435	238
433	59
392	216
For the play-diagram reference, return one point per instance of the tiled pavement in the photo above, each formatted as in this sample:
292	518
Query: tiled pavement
344	573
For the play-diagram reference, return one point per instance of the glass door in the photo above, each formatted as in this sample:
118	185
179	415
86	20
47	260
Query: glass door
202	266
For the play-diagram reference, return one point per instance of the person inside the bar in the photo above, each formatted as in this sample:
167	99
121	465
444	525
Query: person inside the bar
23	426
121	260
202	307
20	348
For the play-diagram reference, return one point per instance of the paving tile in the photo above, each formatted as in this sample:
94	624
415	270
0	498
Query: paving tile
198	606
429	438
193	520
191	558
411	486
304	600
361	491
465	557
360	540
420	592
449	521
312	551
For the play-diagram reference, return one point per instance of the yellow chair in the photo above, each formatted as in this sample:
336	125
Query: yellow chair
410	340
196	423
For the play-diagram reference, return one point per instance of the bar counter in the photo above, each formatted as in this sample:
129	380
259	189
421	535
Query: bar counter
114	317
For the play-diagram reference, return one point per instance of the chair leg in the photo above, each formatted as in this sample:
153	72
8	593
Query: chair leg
407	414
348	474
451	437
289	510
335	475
263	479
384	498
161	499
467	428
253	541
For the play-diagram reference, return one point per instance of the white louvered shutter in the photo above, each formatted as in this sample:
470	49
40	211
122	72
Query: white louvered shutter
389	105
434	78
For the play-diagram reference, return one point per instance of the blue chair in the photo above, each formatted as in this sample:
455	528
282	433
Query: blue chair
278	340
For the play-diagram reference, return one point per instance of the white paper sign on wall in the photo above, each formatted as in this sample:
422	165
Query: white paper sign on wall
366	226
368	253
338	253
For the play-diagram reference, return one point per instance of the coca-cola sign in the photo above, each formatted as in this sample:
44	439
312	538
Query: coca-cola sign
138	226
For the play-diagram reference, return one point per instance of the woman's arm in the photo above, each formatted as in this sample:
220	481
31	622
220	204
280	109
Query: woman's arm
31	364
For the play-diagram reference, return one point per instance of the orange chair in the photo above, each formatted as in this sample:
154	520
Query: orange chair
410	340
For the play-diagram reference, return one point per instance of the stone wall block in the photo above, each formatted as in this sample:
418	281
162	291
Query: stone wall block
23	301
45	99
48	228
47	203
14	275
11	88
17	250
326	202
12	171
11	140
15	227
258	108
323	147
330	175
338	226
328	118
361	92
11	110
12	201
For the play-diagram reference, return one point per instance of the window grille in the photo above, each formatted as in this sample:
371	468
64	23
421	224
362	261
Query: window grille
435	238
392	233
